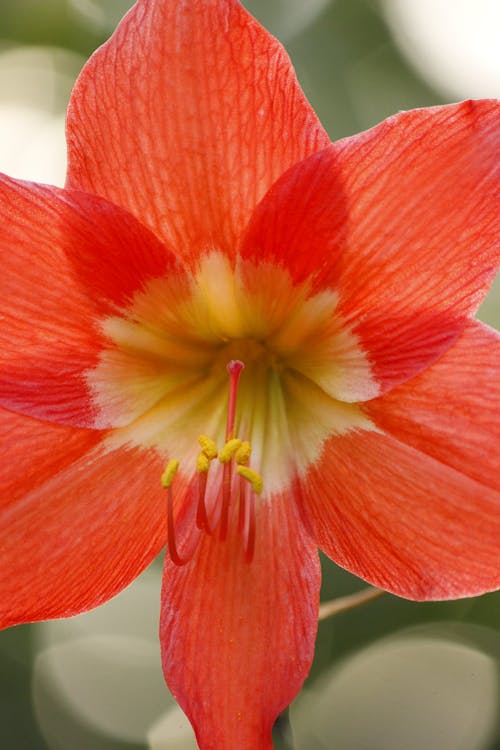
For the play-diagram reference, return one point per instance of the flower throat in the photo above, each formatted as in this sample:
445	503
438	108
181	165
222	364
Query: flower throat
214	516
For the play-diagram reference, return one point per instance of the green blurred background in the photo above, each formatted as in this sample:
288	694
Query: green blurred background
393	675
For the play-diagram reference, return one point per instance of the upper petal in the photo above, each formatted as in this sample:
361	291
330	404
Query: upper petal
80	517
186	117
402	221
69	260
452	410
237	637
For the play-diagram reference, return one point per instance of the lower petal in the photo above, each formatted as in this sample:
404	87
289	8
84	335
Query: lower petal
402	520
80	518
237	637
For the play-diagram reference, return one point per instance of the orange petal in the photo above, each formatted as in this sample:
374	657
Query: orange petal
402	520
403	222
80	518
451	411
238	637
186	117
68	261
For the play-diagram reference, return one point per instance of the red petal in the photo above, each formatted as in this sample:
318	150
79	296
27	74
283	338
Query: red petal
68	260
403	222
238	637
186	117
402	520
79	518
451	410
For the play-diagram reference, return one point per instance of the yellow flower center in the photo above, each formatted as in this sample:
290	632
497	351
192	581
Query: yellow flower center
163	379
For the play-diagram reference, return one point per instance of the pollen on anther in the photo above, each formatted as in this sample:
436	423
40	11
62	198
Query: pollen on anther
168	475
202	463
253	477
208	446
229	449
242	455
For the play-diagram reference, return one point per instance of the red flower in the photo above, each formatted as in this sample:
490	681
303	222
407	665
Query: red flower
207	218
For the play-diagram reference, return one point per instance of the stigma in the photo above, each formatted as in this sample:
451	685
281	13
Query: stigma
236	486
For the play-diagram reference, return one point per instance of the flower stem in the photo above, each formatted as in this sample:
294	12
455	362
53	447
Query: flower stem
343	603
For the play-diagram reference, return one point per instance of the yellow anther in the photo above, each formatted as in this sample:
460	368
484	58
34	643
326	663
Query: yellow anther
168	475
208	447
253	477
242	455
202	463
228	451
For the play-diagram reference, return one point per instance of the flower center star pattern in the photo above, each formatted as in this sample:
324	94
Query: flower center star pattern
168	362
231	336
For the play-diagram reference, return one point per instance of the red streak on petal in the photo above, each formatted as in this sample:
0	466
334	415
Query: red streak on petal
214	514
242	505
249	531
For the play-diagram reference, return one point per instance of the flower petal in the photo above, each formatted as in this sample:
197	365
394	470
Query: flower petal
402	520
402	221
238	637
68	260
186	117
80	517
450	411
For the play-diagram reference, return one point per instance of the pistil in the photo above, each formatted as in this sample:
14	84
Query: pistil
234	368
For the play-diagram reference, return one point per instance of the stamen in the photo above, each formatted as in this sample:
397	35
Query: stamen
202	467
226	498
201	511
229	450
242	455
168	475
246	519
202	463
166	480
253	477
208	453
234	368
234	451
242	504
208	447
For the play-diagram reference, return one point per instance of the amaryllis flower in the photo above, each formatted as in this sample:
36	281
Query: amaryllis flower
208	224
